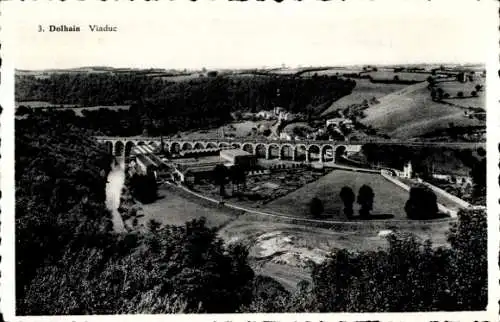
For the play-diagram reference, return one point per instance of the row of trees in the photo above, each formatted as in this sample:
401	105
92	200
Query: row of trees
422	203
365	200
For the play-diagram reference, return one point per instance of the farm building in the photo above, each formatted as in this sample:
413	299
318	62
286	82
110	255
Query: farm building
193	174
334	121
145	165
285	136
238	157
265	115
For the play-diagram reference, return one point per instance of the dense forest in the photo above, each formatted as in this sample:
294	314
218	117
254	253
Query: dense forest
161	106
69	260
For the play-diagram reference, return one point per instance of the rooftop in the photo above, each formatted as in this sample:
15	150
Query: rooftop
145	160
234	152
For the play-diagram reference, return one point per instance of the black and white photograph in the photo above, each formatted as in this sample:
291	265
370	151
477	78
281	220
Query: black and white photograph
251	158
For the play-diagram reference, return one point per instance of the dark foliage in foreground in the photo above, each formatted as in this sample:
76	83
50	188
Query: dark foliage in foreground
69	261
144	188
410	275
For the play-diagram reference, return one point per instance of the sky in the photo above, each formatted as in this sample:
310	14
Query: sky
223	34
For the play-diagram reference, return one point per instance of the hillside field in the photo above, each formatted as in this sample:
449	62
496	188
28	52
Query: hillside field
412	112
389	199
364	90
468	100
404	76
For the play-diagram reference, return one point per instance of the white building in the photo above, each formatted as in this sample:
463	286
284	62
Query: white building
266	115
238	157
407	170
334	122
286	116
278	110
285	136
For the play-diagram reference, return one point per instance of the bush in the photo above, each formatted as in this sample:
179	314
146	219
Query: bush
409	276
422	203
348	197
365	200
316	207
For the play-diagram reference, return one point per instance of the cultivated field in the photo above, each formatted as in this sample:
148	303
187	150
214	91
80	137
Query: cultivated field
339	71
364	90
411	112
403	76
468	100
389	199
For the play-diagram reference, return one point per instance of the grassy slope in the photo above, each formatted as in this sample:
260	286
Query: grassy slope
389	199
364	90
411	112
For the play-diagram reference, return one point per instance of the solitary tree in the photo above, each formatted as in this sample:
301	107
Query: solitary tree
473	94
316	207
422	203
219	175
365	200
460	94
348	197
479	87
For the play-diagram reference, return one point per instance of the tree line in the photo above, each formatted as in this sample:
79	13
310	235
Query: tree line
163	107
421	204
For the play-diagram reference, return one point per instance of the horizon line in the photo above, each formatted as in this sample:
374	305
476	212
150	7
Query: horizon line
284	66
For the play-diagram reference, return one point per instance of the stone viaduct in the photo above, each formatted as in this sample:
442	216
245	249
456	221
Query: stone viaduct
307	151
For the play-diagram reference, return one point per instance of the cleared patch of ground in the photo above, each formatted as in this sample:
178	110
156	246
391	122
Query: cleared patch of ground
389	199
243	129
284	251
175	207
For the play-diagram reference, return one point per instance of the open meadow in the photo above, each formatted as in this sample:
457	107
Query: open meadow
388	75
364	90
412	112
175	207
469	99
389	199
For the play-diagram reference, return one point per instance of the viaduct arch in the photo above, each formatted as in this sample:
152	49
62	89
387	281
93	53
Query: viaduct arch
316	151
